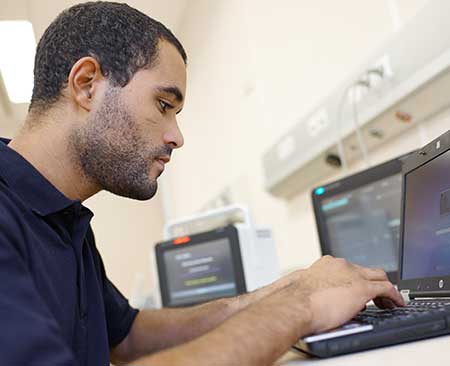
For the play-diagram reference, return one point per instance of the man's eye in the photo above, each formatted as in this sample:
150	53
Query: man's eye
164	106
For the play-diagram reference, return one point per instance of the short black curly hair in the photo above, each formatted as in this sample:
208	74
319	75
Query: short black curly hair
121	38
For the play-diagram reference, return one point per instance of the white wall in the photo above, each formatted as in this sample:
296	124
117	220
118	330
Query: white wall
255	68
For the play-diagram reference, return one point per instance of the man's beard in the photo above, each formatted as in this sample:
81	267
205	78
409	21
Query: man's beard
112	153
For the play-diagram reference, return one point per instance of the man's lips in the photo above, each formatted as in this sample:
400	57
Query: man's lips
162	160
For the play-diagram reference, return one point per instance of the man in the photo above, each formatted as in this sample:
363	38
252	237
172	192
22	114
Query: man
109	82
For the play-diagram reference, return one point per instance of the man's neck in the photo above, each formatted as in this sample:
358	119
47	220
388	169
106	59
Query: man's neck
46	147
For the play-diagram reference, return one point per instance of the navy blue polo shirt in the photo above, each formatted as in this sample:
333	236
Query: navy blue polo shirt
57	306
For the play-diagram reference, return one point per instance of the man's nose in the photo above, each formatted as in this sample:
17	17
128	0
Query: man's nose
174	137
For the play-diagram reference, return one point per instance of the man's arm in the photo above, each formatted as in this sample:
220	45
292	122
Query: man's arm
255	336
155	330
265	329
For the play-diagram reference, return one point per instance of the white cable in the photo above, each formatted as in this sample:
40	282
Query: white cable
361	142
339	138
340	112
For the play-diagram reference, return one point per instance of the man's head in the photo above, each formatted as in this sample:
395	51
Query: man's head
122	76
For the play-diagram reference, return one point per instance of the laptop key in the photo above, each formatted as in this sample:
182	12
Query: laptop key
416	312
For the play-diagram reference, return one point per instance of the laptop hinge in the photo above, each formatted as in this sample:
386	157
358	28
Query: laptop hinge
427	294
405	295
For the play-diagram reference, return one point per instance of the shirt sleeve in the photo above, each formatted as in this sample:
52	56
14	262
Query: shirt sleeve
119	314
29	333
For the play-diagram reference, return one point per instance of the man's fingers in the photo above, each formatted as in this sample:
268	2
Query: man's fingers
373	274
384	294
385	289
384	303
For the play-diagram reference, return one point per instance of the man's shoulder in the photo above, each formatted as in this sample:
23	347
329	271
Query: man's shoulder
12	209
12	221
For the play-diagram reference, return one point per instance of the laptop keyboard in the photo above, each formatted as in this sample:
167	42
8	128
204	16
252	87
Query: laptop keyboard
414	312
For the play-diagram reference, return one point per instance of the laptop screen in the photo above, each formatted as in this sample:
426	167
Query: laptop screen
362	224
426	244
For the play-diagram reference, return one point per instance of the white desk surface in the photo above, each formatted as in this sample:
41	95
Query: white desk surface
429	352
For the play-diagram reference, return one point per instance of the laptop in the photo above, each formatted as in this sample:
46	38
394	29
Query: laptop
424	265
358	217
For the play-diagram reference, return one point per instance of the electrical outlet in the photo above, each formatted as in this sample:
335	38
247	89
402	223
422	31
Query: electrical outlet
385	64
372	79
286	148
317	122
380	72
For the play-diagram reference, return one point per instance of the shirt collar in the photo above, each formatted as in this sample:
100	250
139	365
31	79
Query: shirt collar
24	179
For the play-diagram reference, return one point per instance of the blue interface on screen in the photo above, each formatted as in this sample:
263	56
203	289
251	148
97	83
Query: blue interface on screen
363	224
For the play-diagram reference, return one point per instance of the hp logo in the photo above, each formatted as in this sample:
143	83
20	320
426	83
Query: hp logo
441	283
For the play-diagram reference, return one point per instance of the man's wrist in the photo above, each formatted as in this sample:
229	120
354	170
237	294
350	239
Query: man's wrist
301	299
296	305
297	277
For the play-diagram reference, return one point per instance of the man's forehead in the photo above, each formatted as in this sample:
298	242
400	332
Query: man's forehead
161	80
166	75
169	69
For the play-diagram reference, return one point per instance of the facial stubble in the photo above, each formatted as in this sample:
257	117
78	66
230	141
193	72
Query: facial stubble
112	152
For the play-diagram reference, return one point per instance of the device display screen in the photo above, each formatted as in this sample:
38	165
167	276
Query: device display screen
200	272
426	238
363	224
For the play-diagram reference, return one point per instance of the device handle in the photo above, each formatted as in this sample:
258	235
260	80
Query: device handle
225	212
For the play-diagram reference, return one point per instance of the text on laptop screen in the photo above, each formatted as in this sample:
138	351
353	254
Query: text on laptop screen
200	272
426	239
363	223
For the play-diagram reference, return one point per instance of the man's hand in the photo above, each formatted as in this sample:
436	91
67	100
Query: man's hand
338	290
324	296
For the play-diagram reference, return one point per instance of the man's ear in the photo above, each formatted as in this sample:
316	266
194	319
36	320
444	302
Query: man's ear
83	81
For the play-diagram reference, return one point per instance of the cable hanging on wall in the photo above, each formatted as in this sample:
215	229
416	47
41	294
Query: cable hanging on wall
350	97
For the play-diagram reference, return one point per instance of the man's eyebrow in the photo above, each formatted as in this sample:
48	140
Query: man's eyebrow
175	91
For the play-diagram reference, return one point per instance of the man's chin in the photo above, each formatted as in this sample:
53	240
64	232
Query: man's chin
147	194
138	193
